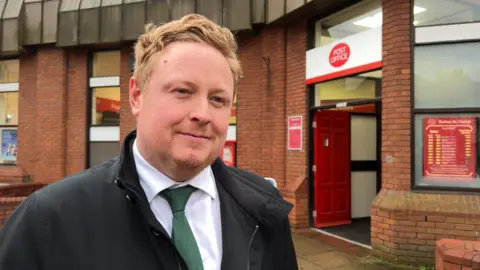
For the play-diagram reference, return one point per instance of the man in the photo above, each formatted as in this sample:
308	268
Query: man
168	202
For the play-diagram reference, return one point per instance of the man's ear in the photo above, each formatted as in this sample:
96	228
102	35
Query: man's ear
134	96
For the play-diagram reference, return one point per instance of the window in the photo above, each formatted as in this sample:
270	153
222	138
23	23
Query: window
104	130
353	20
358	87
446	108
9	74
428	12
447	76
106	106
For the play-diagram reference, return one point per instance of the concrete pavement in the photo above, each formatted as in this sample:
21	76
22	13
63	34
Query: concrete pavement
316	251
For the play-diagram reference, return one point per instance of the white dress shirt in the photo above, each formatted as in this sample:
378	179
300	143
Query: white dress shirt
202	209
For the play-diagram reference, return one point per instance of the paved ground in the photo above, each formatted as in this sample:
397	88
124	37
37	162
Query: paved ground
316	251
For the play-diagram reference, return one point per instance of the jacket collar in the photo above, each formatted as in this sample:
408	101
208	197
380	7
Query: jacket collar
260	201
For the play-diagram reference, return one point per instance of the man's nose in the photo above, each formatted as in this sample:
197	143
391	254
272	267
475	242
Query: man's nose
201	112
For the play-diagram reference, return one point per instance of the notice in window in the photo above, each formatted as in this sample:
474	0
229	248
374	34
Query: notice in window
449	147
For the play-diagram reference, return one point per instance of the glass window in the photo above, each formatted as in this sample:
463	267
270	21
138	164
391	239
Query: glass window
106	64
362	86
102	151
429	12
106	106
9	75
9	70
358	18
446	76
8	108
447	150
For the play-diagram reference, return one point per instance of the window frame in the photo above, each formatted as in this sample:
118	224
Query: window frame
415	187
14	87
437	24
100	133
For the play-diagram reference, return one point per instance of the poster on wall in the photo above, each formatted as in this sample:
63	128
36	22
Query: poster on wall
449	147
294	132
9	145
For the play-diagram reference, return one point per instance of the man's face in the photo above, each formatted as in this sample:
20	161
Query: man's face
183	112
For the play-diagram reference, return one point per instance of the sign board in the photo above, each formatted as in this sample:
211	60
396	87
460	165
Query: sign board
107	105
294	132
9	145
449	147
354	54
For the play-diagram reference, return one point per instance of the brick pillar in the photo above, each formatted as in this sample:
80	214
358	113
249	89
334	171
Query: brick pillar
396	93
127	120
76	112
273	123
27	112
50	123
399	229
249	104
296	104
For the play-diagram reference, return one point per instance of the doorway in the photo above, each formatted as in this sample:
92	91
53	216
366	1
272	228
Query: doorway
346	163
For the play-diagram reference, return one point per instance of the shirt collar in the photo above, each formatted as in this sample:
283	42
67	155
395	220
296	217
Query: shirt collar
153	182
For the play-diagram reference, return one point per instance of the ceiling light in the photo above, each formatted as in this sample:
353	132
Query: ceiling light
417	10
371	21
375	20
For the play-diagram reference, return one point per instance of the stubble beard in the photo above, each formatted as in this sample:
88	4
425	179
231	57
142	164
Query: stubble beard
178	169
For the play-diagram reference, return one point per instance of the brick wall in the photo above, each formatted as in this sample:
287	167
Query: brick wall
76	111
406	225
27	113
272	89
50	114
396	94
296	104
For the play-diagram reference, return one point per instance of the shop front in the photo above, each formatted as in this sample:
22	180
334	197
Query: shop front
394	106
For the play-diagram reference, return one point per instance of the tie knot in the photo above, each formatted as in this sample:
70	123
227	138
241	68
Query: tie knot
178	197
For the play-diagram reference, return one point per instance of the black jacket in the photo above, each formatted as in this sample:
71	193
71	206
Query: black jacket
100	219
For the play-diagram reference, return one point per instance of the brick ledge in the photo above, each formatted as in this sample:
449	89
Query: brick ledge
407	202
457	254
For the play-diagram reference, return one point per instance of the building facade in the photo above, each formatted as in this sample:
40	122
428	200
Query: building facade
364	112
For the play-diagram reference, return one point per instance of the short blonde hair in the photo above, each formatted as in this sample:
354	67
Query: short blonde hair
193	27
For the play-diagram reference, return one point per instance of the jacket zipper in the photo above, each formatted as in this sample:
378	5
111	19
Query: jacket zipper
250	246
177	258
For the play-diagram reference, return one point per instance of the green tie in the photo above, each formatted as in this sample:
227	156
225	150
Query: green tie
182	234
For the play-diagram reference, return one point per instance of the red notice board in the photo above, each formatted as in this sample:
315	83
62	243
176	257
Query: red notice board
294	133
449	148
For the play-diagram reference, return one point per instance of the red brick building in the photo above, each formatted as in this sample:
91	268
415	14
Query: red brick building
364	112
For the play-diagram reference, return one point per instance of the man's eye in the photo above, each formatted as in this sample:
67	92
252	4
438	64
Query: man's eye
218	99
182	91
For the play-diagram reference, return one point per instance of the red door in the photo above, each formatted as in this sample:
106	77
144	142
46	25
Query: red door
332	168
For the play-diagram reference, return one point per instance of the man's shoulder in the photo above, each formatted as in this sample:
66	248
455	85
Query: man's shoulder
81	185
254	180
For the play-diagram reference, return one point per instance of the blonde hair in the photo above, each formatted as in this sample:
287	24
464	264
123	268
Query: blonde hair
194	28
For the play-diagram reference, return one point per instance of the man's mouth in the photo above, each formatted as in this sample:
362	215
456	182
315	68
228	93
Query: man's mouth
197	136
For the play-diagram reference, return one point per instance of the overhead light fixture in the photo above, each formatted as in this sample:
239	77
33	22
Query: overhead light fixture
376	20
371	21
417	10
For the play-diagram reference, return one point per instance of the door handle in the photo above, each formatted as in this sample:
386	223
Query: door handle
325	142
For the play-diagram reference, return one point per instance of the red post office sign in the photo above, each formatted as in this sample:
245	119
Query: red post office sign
339	55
